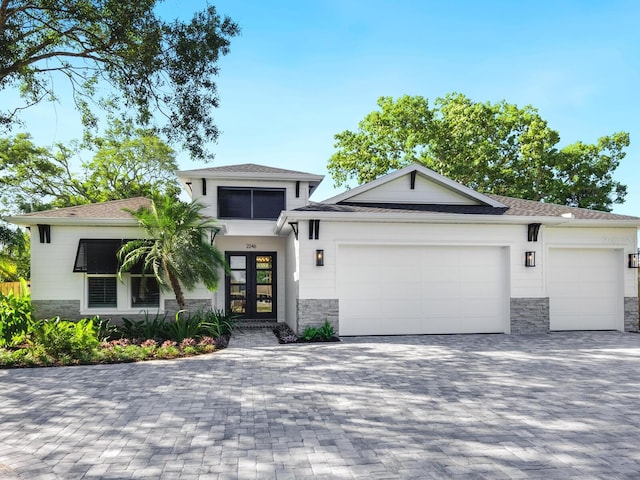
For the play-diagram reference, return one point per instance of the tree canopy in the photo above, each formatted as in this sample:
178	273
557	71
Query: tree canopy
14	254
127	163
493	148
159	74
177	252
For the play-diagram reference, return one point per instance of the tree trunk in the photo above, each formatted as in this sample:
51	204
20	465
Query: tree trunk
177	290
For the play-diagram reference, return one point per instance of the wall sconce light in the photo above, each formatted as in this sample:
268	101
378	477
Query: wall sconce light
319	258
634	261
529	259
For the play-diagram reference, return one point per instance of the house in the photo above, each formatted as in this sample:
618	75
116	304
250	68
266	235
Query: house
412	252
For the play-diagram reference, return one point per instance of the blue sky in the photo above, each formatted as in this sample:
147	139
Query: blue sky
302	71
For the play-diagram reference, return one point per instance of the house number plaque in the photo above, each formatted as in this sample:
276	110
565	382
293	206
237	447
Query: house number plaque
251	246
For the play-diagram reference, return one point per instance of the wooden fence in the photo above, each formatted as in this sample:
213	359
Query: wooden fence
15	287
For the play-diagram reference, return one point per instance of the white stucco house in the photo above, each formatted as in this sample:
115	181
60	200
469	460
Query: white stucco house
409	253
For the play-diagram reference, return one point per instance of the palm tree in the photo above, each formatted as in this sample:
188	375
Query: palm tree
176	251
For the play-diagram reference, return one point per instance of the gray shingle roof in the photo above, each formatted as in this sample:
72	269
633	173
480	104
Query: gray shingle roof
520	207
514	207
112	210
246	168
402	208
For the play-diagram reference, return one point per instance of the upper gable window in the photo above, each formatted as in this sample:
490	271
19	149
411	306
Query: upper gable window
251	203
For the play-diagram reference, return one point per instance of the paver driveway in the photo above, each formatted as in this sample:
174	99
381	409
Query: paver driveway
557	406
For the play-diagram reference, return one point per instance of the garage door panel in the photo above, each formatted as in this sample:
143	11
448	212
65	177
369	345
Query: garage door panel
584	289
421	290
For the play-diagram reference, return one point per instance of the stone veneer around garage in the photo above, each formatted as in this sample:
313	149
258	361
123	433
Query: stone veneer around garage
312	312
529	316
630	314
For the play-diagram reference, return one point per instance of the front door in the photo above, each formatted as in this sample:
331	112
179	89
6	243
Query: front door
251	284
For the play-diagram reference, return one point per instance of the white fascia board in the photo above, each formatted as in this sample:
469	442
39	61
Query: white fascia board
293	216
436	177
574	222
111	222
385	217
204	173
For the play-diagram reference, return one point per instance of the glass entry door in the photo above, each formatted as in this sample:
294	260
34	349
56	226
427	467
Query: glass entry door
251	284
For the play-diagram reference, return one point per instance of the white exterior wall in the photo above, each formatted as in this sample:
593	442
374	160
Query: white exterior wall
53	278
52	274
227	243
320	282
292	279
524	282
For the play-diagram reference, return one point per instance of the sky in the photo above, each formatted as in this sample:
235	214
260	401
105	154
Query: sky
302	71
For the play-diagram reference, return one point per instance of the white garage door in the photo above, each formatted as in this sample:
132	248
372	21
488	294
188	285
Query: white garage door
584	289
394	290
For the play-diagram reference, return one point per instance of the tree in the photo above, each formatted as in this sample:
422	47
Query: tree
176	252
128	163
493	148
161	73
14	254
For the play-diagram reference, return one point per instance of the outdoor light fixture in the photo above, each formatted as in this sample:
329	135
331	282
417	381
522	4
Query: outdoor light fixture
319	258
634	262
529	259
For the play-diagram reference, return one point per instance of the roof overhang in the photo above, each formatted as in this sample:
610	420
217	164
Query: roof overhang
185	176
29	220
431	218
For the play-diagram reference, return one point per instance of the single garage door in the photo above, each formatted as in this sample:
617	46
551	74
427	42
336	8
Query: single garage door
585	291
396	290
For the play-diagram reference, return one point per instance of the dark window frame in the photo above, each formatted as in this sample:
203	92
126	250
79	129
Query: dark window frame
252	202
133	281
93	281
99	256
251	284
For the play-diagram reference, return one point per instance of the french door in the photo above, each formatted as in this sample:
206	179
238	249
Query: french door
251	284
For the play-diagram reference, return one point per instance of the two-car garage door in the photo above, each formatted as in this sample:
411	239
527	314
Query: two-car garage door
392	289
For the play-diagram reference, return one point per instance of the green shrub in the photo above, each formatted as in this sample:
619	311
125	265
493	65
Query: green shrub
311	333
217	322
168	352
185	326
15	317
150	327
104	329
64	339
326	331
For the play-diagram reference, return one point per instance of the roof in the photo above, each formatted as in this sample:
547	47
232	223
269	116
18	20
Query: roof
112	210
521	207
245	168
514	207
250	170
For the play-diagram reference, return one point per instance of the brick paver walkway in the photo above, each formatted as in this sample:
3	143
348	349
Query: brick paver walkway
559	406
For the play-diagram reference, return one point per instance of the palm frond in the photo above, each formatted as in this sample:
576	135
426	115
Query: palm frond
177	245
